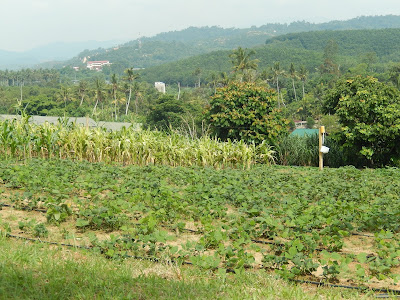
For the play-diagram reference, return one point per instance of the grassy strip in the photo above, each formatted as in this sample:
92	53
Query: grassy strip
33	271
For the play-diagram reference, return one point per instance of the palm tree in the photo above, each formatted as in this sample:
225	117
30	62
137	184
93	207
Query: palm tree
223	79
99	93
114	87
64	94
241	61
276	73
130	77
138	95
82	90
293	75
303	73
213	81
197	73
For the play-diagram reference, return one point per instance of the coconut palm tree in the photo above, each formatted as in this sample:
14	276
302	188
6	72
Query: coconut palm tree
303	73
197	74
99	93
130	77
114	88
242	62
64	94
293	75
82	90
277	72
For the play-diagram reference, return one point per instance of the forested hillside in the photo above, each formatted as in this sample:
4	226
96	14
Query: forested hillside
350	48
176	45
350	42
212	64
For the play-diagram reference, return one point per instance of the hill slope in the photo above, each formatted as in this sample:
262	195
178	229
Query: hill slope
176	45
301	49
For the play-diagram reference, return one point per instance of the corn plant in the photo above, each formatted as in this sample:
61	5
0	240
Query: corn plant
23	140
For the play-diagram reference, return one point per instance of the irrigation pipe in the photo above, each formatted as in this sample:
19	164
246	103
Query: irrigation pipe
158	260
27	208
360	288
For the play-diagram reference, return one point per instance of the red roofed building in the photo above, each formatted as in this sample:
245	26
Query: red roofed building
97	65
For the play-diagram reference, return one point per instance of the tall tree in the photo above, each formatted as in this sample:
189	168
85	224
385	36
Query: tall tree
242	62
130	77
293	75
329	65
369	114
114	89
246	111
303	74
64	94
138	95
82	90
197	73
277	72
99	93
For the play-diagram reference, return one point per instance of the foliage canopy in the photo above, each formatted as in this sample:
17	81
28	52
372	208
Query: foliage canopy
369	113
246	111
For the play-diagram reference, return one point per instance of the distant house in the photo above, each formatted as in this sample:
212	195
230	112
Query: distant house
97	65
160	86
300	124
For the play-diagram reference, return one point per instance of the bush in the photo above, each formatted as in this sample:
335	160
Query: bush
369	114
310	122
246	111
303	151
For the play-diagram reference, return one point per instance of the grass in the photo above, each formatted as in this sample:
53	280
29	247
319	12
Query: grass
37	271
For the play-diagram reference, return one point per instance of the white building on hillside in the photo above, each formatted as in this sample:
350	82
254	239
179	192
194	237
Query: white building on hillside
160	86
97	65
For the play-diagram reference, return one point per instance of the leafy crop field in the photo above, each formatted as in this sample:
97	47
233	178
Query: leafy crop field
339	226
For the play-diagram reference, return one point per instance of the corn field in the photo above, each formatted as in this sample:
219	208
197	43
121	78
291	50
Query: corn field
23	140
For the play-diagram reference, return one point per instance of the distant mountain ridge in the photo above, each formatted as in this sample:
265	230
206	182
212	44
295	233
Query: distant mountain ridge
175	45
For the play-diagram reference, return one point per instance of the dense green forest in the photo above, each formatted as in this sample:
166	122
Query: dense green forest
376	48
176	45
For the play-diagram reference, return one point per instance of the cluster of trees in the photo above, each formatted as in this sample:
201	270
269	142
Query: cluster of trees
107	100
29	77
367	111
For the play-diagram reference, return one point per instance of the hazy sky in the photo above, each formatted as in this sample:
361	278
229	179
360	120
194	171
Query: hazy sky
25	24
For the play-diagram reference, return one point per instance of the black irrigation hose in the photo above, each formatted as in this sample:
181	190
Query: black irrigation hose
46	242
360	288
158	260
153	259
27	208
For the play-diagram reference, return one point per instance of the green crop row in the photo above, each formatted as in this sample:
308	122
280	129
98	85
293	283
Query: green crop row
296	221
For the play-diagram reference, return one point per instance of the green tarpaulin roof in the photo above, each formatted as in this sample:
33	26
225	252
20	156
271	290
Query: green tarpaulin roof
303	132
